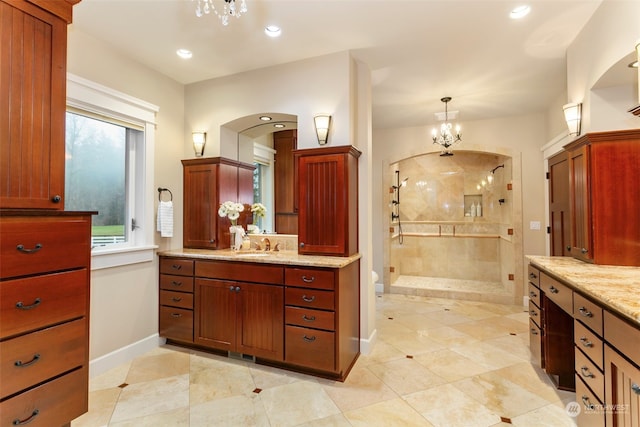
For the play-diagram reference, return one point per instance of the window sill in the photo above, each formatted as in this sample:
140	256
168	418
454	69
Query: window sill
122	256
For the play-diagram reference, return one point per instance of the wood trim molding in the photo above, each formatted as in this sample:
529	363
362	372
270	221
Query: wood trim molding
61	8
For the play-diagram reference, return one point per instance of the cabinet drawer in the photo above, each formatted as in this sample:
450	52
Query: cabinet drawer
589	343
176	323
591	413
309	278
176	283
535	313
622	336
51	404
180	267
309	298
310	348
310	318
40	245
590	374
535	344
33	358
241	272
534	275
588	313
534	294
36	302
177	299
557	292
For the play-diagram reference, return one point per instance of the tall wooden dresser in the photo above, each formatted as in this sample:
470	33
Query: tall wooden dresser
44	251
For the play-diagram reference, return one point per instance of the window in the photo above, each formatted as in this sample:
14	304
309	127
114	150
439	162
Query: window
109	169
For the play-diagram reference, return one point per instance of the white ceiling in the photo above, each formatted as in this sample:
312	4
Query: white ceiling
418	50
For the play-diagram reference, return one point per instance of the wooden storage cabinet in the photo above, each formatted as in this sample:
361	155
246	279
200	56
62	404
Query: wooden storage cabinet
536	317
328	200
208	182
559	210
44	317
602	175
176	299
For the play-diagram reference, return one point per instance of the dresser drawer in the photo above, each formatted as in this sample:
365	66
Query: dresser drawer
176	299
534	294
35	302
535	313
176	283
591	411
589	343
35	357
53	403
309	278
43	244
623	336
588	313
179	267
557	292
535	344
241	271
311	298
590	374
534	275
310	348
310	318
176	323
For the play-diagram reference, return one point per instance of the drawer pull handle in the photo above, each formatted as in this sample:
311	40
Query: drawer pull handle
533	294
534	332
585	312
176	267
309	339
27	420
586	402
305	298
584	251
20	305
176	315
585	342
532	276
533	313
635	388
20	364
308	319
586	373
24	250
176	299
306	279
553	290
174	283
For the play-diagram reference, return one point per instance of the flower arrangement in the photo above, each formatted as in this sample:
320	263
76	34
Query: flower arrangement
259	210
231	210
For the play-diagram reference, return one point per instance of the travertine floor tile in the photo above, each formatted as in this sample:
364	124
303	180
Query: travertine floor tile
406	376
361	388
391	413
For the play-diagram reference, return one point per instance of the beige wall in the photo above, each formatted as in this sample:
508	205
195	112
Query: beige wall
124	300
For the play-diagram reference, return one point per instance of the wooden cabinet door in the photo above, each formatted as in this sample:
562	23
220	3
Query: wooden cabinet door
215	313
200	206
32	107
581	239
622	390
285	197
559	216
260	320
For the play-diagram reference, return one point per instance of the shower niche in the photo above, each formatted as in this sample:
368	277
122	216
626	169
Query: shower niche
473	205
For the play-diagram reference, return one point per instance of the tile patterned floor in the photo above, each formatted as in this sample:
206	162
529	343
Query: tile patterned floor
439	287
437	362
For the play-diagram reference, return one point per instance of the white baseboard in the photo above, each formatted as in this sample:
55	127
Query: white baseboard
122	355
379	288
366	345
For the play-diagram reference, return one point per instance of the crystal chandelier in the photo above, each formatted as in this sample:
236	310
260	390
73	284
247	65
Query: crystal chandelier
205	7
445	138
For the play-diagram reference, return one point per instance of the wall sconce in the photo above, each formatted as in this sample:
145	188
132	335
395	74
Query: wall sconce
199	140
323	124
573	117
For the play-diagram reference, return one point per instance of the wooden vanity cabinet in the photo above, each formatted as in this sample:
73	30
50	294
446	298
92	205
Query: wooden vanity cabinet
536	317
176	299
328	200
208	182
559	210
603	176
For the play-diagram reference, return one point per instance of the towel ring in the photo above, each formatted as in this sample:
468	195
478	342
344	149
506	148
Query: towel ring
160	190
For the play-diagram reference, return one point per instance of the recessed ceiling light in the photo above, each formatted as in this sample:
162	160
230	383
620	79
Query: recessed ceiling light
278	125
184	53
265	118
520	12
273	31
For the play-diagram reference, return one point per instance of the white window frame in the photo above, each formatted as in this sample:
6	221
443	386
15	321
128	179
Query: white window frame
85	95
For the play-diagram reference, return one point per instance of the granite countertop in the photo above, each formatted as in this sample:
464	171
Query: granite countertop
263	257
617	288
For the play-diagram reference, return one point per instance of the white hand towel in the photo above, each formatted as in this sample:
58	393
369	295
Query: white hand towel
165	219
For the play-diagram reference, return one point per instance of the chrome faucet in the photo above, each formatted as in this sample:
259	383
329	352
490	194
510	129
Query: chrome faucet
267	244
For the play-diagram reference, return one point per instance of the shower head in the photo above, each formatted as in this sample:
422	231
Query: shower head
496	168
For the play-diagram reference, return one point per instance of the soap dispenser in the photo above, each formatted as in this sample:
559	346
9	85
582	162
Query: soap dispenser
473	209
